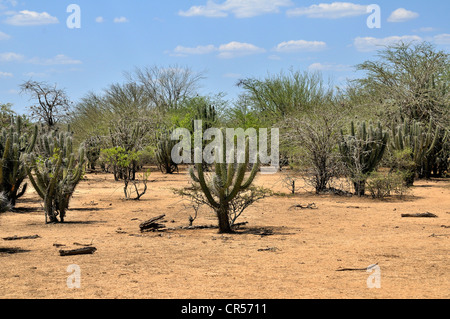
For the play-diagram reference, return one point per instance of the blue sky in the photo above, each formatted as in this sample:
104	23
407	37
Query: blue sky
228	39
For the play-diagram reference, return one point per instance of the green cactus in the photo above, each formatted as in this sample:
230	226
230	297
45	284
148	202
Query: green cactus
208	115
226	183
164	152
93	145
418	139
361	151
14	144
55	173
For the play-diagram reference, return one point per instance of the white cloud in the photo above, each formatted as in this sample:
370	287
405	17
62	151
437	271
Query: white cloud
201	49
300	46
30	18
225	51
333	10
4	36
99	20
238	49
11	57
5	75
329	67
120	20
368	44
442	39
274	57
240	8
402	15
59	59
425	29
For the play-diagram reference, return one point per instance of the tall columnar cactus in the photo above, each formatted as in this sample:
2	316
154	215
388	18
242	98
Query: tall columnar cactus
416	138
164	152
93	145
14	144
362	150
225	184
55	173
208	116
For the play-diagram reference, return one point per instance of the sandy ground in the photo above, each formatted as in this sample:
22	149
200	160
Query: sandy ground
297	258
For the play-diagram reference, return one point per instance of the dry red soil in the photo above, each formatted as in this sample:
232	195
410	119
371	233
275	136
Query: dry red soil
281	253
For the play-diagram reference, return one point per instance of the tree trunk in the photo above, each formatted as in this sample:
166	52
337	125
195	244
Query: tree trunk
410	177
360	188
224	221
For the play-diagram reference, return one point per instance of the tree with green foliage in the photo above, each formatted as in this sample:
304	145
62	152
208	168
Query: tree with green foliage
279	95
411	81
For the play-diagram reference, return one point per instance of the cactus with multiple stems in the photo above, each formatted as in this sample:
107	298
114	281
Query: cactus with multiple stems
55	172
14	144
362	150
228	180
93	145
416	138
164	152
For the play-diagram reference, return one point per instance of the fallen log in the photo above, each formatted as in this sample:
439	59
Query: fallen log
358	269
81	251
420	215
84	245
152	224
194	227
309	206
23	237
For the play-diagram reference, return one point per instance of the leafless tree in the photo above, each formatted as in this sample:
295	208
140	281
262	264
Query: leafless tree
315	137
52	103
167	87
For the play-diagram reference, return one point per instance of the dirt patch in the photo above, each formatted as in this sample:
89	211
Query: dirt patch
280	253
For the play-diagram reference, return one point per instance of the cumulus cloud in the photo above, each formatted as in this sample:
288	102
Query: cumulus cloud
300	46
238	49
402	15
120	20
99	20
30	18
59	59
201	49
333	10
5	75
368	44
442	39
425	29
11	57
239	8
225	51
